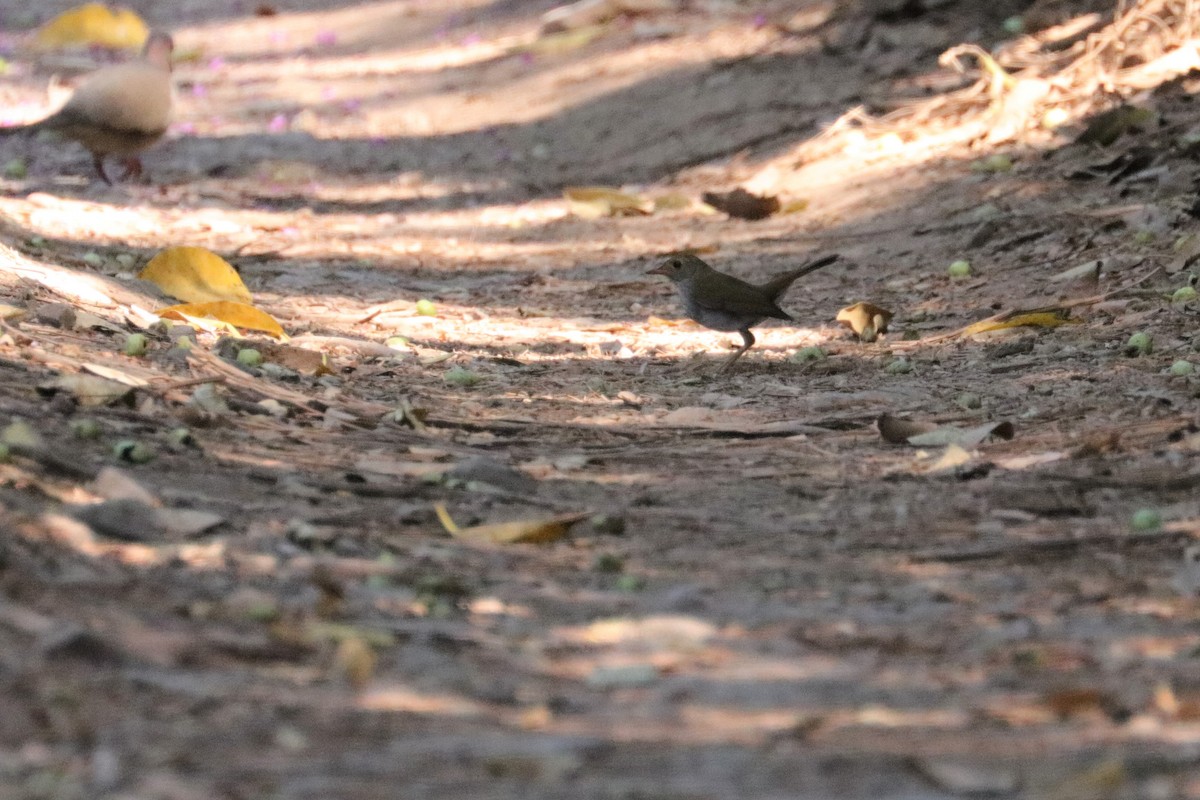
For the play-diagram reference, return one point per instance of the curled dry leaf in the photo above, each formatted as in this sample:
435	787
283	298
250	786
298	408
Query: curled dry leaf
89	390
195	275
742	204
1048	317
225	314
538	531
592	202
926	434
867	320
895	430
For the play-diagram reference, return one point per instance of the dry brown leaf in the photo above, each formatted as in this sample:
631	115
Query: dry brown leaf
742	204
896	431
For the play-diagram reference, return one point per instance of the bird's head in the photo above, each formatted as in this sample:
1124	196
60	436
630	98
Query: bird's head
679	266
158	49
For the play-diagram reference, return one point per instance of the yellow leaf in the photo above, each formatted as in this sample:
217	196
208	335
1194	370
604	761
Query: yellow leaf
1036	318
237	315
94	24
538	531
600	201
356	662
564	41
195	275
794	206
867	320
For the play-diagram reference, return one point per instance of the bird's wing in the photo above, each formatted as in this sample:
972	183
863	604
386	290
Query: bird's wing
132	97
733	295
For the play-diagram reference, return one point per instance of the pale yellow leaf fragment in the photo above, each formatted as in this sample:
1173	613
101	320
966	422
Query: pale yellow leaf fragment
538	531
234	315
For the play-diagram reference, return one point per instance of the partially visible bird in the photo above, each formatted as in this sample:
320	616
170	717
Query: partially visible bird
725	303
118	110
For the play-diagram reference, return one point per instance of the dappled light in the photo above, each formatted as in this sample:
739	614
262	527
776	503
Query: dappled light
453	406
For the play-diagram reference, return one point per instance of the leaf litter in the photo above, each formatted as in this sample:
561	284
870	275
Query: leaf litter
864	608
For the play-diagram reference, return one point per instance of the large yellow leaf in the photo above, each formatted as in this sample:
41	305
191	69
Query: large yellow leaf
195	275
1049	317
94	24
238	315
529	530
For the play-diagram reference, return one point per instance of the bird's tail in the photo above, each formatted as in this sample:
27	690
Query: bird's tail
779	284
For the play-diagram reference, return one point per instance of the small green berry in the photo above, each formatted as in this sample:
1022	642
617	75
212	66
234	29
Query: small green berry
900	366
15	168
1183	368
93	259
426	308
959	269
1146	519
396	342
85	428
969	401
135	344
133	452
1184	294
182	436
809	354
249	357
1139	344
1014	25
607	562
457	376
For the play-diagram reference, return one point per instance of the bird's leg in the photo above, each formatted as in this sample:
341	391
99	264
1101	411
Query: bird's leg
98	162
748	338
133	168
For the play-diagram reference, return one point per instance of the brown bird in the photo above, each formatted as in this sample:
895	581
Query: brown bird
725	303
118	110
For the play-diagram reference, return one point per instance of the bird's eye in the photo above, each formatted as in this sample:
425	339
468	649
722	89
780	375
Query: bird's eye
675	263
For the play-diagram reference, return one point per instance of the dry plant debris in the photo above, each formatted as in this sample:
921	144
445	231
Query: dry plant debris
225	563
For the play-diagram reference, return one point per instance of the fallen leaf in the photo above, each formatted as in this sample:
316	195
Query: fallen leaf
521	531
94	24
355	662
963	437
742	204
926	434
89	390
867	320
195	275
1048	317
896	431
592	202
114	374
226	313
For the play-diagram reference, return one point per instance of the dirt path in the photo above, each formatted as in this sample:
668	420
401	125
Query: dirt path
764	599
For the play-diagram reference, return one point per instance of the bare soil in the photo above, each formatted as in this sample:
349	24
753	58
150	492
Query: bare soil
765	599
